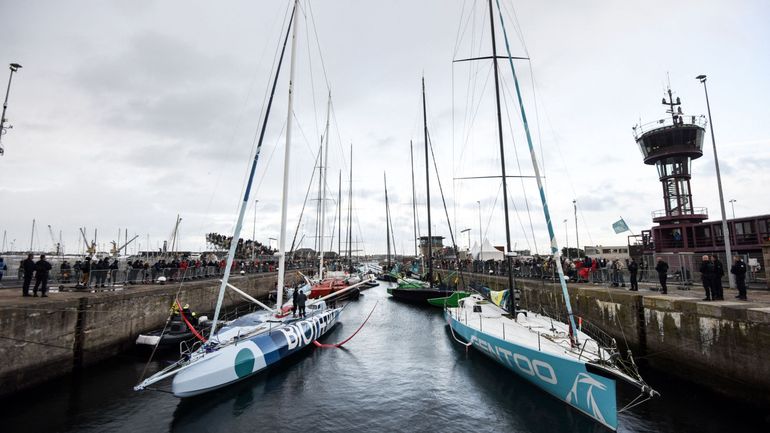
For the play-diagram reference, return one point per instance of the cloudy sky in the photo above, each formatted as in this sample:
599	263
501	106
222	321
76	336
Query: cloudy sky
126	114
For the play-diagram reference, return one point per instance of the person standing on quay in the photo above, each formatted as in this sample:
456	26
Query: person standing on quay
739	270
301	298
28	266
3	268
662	268
42	268
85	269
716	286
707	277
633	268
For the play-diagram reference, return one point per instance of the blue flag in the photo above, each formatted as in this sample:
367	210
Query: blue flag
620	226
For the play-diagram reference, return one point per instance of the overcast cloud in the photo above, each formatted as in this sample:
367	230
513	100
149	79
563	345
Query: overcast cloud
126	114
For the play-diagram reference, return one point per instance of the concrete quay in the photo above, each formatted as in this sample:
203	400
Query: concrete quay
721	345
44	338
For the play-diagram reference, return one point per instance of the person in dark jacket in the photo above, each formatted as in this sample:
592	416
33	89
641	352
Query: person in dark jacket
301	298
3	268
739	270
294	297
85	269
28	266
707	277
662	268
716	285
633	268
42	269
114	272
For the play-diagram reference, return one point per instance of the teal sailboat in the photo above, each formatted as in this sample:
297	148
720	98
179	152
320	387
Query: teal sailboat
557	357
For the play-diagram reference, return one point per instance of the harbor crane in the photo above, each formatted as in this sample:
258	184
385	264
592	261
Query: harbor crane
56	245
90	249
116	251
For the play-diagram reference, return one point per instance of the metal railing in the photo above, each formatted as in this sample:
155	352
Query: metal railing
641	129
695	211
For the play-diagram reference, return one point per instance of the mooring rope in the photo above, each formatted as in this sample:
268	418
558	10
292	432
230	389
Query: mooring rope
338	345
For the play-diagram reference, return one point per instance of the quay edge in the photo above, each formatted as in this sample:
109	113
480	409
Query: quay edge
722	346
45	338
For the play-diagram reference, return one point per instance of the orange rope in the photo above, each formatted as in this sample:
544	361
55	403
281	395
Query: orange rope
189	325
338	345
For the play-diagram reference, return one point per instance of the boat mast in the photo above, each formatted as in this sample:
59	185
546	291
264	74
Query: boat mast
245	203
387	215
32	236
535	166
414	204
339	217
323	195
349	234
287	154
512	288
427	186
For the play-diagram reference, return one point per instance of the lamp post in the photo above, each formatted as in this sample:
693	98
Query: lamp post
566	235
254	233
469	237
725	228
481	241
732	204
577	234
14	67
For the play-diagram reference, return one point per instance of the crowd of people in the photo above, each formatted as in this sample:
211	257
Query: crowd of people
612	272
245	248
587	269
96	273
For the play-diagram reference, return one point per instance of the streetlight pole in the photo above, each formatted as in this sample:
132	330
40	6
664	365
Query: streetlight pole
481	241
14	67
732	204
725	228
566	235
254	234
577	234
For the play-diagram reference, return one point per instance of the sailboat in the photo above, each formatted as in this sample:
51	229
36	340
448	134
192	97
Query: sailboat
253	342
557	357
408	289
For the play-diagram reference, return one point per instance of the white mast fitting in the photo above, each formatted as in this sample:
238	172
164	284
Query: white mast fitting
323	179
287	154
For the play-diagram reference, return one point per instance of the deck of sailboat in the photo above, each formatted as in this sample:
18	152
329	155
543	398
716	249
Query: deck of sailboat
531	330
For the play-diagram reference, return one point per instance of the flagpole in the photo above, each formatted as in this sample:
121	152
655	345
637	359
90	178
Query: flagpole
627	227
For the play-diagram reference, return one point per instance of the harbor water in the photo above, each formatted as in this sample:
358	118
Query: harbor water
402	372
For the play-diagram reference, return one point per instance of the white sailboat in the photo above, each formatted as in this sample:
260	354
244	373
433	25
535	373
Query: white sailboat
568	363
255	341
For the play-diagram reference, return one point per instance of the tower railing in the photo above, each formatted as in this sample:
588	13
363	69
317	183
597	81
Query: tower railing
684	119
660	213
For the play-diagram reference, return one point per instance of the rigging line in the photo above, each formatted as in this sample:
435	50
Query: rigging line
165	326
489	220
523	189
475	110
269	159
546	213
446	212
318	44
261	112
461	29
304	203
310	70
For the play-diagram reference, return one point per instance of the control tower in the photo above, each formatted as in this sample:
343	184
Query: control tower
671	144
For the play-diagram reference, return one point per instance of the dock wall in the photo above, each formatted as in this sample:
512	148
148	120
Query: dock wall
723	346
53	336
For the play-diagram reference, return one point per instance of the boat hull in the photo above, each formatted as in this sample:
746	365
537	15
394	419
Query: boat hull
251	355
451	301
417	296
566	379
